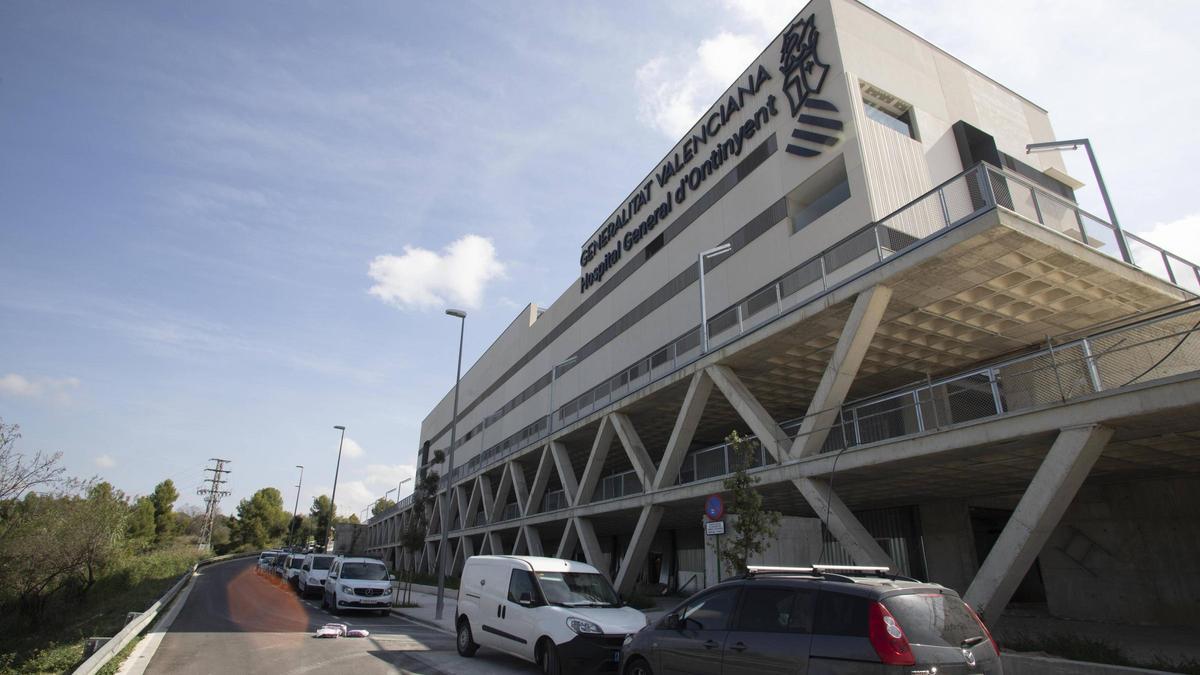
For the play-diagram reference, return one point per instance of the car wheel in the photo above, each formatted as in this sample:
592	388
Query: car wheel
638	666
548	658
466	641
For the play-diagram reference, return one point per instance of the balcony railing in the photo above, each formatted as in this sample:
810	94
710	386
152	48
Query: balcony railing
1159	347
945	207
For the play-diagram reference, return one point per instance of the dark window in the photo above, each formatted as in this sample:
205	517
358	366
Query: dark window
654	246
841	614
819	194
934	619
521	583
766	610
887	110
322	563
710	612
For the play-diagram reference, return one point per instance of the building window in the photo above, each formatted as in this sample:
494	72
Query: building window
888	110
819	194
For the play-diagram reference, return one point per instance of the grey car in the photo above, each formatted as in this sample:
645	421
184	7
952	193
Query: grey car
822	620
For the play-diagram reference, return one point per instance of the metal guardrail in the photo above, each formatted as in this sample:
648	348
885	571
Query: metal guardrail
946	206
102	656
1141	351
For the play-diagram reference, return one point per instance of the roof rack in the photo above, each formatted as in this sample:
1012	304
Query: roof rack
830	572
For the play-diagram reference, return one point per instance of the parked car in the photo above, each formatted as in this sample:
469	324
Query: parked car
358	583
278	563
561	614
265	559
291	568
823	619
313	571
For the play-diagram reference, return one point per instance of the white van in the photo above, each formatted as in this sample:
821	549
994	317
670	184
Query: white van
561	614
313	571
358	583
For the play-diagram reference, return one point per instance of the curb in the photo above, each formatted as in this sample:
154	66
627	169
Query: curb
424	622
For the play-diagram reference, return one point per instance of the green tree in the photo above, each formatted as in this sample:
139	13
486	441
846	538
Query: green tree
140	524
261	519
412	536
321	514
163	498
99	529
755	526
382	504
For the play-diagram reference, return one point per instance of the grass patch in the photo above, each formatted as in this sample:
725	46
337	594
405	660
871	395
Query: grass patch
1081	648
114	664
56	646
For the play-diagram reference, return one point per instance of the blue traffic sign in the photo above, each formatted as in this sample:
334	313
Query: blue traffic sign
714	507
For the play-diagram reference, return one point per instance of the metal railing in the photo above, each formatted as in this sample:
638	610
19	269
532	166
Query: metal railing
1158	347
946	206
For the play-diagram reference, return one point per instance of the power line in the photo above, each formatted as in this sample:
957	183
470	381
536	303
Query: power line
212	497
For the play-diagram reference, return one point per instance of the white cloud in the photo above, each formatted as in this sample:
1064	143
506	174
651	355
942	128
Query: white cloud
352	449
1181	237
56	389
105	461
674	89
388	476
423	279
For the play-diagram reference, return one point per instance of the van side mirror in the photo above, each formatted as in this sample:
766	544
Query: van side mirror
672	621
526	600
391	577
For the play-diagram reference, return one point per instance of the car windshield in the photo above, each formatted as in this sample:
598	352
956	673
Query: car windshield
365	571
322	563
934	619
577	589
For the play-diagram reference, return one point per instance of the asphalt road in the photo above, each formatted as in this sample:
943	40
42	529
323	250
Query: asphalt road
237	621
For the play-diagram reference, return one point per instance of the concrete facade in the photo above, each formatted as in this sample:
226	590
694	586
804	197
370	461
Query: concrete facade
945	366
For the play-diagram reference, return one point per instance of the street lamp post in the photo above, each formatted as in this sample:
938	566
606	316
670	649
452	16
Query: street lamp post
1122	245
441	556
399	485
296	507
710	253
333	497
553	377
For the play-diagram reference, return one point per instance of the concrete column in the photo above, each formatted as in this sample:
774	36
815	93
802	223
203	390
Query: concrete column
685	430
518	485
592	552
595	463
843	367
1049	494
842	524
749	409
566	472
533	540
474	502
435	519
495	543
462	505
566	543
949	543
501	494
643	466
639	546
540	480
485	497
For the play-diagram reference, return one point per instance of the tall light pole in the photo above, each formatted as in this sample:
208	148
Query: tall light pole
710	253
1122	245
333	497
441	557
296	507
553	377
398	486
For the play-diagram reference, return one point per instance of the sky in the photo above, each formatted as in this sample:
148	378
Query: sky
226	227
